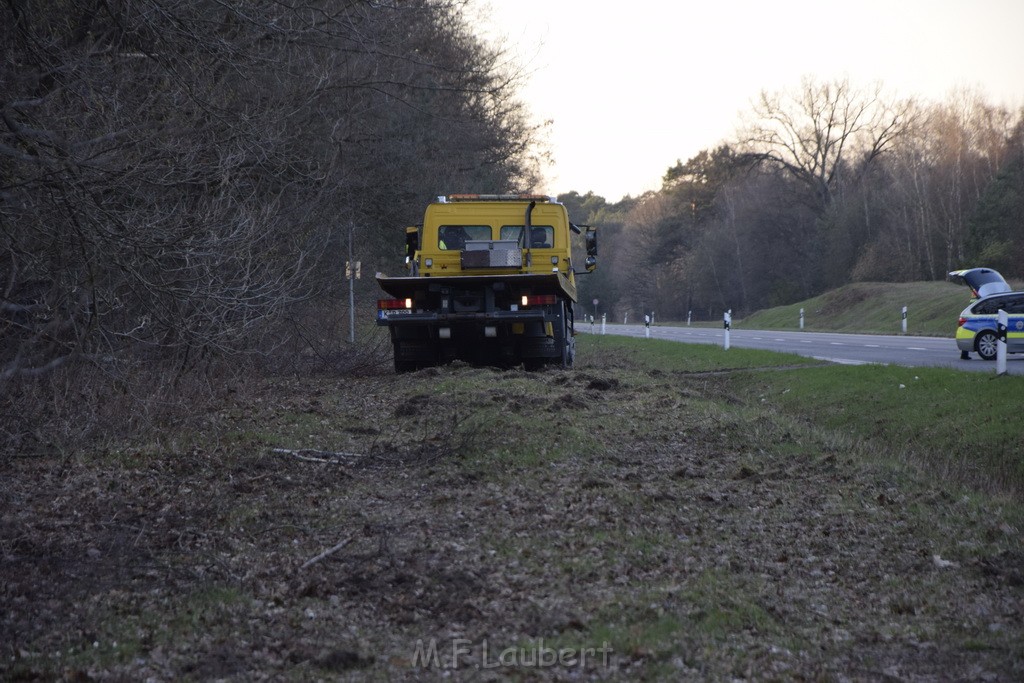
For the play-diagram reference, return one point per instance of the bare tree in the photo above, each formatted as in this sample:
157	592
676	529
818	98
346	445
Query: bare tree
176	178
174	173
821	130
933	180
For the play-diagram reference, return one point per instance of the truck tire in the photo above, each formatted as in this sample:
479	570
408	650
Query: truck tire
569	352
405	365
568	340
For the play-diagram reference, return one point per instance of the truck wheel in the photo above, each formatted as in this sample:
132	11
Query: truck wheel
402	365
568	350
568	341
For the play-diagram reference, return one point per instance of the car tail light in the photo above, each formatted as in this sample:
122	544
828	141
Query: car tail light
960	322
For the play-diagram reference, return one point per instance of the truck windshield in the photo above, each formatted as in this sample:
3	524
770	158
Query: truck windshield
455	236
541	236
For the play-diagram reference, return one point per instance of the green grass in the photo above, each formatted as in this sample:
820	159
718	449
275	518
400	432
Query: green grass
962	425
669	356
958	425
872	308
123	636
677	622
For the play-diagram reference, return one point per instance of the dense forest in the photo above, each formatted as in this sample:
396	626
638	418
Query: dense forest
180	184
823	185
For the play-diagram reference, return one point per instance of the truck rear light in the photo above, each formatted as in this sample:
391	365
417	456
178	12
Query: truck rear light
539	300
393	304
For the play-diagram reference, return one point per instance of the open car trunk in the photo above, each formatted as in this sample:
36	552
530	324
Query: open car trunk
982	281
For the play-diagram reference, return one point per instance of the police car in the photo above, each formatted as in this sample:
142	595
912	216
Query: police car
977	327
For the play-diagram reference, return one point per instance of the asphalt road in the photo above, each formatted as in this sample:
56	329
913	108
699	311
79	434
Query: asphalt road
850	349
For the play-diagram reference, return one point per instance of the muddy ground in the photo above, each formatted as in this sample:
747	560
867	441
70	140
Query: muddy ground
610	522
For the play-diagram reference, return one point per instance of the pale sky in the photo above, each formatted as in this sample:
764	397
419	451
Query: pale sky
634	85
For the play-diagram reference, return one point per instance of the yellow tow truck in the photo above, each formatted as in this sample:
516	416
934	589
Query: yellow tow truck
491	281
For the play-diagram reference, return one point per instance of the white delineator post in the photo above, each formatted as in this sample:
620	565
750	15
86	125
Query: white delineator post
689	314
604	319
728	326
1002	322
801	318
647	326
904	320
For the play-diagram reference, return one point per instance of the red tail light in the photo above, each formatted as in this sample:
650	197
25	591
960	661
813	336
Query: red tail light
393	304
539	300
960	322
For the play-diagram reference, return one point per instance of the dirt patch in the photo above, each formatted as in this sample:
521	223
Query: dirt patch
637	531
603	384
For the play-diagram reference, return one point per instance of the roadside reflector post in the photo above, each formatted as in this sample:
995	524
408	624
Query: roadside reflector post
647	326
904	320
625	318
689	314
604	319
1002	322
801	318
728	326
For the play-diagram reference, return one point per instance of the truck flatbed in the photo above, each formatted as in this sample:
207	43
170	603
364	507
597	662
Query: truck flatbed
402	287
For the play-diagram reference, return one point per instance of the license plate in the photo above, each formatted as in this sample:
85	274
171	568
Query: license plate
384	315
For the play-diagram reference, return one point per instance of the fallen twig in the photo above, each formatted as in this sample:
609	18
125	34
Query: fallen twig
311	455
327	553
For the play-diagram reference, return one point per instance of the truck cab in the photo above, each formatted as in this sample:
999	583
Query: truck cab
489	234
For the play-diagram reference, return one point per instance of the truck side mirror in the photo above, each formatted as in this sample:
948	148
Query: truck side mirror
591	240
412	243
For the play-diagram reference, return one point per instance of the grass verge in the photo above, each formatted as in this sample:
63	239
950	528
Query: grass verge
959	426
872	308
668	356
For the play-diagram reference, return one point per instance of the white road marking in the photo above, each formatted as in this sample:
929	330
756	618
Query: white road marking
845	361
